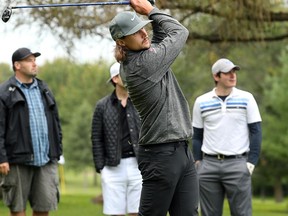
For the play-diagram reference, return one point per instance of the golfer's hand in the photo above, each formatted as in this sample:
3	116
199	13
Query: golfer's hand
197	164
142	7
4	168
250	167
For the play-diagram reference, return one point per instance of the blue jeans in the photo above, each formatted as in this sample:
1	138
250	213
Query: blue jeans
169	180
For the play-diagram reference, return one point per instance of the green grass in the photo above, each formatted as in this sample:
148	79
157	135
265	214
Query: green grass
80	188
81	205
267	207
70	205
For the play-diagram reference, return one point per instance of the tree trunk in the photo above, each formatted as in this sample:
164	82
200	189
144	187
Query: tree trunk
263	193
278	190
85	179
95	179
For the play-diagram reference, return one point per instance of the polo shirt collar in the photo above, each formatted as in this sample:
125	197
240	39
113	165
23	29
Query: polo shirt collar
233	93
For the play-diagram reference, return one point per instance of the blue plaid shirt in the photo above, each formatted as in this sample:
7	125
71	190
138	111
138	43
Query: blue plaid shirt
38	123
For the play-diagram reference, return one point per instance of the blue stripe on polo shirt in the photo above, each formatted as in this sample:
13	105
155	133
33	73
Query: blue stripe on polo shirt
211	105
38	123
231	103
237	103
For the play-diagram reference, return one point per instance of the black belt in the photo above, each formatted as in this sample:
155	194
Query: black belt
128	154
163	146
223	157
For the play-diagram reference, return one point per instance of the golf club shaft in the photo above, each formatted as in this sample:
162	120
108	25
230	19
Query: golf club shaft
72	4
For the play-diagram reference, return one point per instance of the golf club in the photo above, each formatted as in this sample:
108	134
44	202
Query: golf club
8	10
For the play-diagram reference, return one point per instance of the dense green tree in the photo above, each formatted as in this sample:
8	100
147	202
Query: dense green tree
73	83
77	88
77	146
5	72
275	132
257	60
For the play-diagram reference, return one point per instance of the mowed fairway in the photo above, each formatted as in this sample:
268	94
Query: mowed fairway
81	205
79	190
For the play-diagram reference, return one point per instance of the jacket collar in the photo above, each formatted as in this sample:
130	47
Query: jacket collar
113	97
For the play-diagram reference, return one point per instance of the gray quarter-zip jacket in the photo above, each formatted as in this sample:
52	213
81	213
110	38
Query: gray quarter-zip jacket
152	86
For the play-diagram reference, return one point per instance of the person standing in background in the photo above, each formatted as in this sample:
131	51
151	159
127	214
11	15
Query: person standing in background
166	163
115	133
30	139
226	143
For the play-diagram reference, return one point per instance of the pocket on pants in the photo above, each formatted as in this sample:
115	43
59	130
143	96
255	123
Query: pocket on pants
155	163
8	190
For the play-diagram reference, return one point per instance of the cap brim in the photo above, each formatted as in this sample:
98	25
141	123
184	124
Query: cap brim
236	67
138	27
108	80
36	54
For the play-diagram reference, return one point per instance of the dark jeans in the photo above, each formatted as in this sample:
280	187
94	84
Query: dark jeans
169	180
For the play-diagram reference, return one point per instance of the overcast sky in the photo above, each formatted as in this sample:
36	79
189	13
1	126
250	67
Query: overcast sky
86	50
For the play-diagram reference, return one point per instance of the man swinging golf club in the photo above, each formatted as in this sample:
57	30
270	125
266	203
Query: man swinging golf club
165	161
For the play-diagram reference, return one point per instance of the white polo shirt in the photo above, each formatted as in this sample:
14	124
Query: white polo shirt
225	123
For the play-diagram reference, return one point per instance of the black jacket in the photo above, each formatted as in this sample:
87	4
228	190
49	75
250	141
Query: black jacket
106	146
15	136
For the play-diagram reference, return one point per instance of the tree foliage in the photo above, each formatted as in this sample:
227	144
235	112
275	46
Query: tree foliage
273	162
77	88
78	151
5	72
214	21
